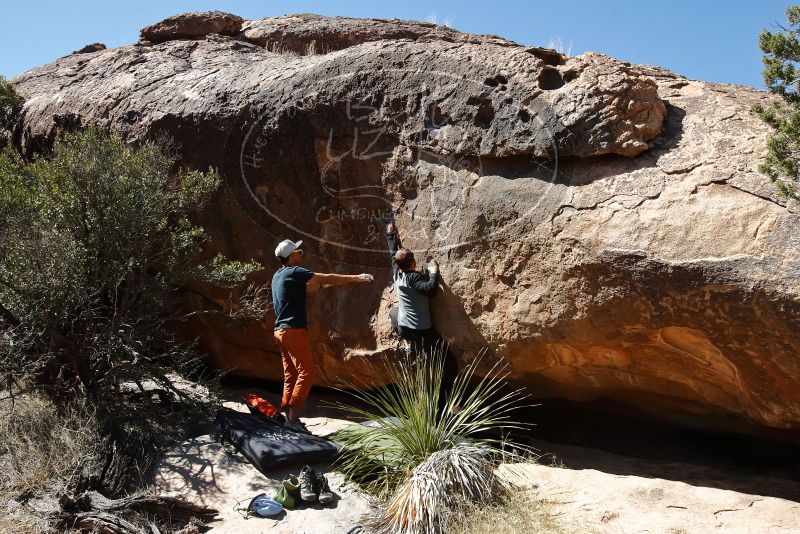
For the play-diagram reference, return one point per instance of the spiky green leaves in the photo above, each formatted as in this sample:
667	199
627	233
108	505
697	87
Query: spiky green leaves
407	426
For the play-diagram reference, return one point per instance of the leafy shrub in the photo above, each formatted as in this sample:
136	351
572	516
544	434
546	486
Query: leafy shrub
10	104
96	241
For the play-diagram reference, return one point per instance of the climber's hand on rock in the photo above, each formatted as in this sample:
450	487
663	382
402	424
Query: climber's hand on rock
391	228
433	267
364	278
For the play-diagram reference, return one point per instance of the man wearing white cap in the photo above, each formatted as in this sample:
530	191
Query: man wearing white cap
290	285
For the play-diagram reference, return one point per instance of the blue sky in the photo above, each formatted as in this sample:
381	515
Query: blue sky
701	39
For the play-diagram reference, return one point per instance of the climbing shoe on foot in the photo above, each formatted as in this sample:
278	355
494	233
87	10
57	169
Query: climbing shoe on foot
308	479
325	495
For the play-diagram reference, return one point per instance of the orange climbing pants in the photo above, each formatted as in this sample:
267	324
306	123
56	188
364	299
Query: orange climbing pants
298	366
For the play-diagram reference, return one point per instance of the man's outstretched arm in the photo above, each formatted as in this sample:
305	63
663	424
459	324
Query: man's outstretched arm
332	279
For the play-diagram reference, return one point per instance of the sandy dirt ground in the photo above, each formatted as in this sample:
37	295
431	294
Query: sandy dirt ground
203	470
595	491
587	491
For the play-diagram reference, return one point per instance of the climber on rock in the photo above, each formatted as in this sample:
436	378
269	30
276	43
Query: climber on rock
290	284
412	320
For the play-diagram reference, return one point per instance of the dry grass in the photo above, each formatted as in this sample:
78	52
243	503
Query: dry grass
278	47
520	513
451	479
563	48
41	451
21	522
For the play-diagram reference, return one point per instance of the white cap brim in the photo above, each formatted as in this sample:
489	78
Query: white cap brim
286	247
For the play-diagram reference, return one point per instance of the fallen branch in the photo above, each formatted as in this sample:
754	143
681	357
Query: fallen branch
105	523
136	514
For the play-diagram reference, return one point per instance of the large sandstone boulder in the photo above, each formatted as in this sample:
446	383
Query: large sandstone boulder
601	225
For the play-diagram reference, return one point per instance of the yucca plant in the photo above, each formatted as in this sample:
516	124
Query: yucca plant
421	460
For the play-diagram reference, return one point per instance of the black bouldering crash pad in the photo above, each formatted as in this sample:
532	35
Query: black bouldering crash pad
267	445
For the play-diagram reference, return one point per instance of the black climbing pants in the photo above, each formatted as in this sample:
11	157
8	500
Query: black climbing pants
429	340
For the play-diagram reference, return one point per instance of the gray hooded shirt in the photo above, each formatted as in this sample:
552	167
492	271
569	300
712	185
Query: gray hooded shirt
413	290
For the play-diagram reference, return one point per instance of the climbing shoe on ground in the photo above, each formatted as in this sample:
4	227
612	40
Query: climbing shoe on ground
284	499
296	426
289	495
292	485
308	479
325	495
264	506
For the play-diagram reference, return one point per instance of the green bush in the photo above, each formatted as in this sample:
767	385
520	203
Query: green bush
10	104
96	242
781	57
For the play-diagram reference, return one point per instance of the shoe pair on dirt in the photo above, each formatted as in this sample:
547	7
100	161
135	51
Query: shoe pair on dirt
309	486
